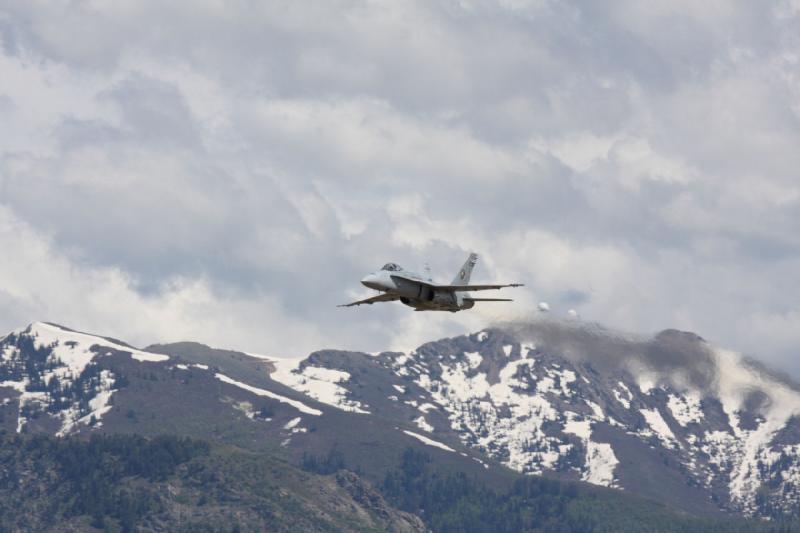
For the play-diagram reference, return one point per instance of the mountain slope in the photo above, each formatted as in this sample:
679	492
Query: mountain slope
670	418
171	484
189	390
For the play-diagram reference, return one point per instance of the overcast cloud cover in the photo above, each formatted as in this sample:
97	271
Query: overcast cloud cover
226	171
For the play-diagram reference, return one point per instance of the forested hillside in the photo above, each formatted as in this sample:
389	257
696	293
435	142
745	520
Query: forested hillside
130	483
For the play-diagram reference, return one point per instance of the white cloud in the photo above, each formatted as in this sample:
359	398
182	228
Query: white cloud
40	284
227	172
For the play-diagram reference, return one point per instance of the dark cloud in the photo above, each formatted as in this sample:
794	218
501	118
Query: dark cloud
680	358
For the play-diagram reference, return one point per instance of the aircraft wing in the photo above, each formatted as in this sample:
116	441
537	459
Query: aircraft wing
455	288
488	299
379	298
464	288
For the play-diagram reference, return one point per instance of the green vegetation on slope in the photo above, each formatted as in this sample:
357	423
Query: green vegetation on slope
72	478
458	503
128	483
166	483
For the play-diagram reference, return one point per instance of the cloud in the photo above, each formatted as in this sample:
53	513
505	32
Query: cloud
226	172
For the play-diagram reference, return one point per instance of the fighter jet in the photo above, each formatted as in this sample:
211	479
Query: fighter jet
422	293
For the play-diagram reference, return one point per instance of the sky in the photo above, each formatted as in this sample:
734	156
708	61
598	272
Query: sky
227	171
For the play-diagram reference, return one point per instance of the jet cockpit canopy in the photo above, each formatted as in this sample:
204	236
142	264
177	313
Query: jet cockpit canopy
392	267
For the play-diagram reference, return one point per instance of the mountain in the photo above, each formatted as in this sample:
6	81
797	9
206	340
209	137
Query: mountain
669	418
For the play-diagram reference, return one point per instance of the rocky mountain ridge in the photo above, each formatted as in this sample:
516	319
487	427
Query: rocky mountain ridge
668	417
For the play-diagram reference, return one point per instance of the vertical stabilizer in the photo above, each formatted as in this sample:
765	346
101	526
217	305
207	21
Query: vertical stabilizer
462	278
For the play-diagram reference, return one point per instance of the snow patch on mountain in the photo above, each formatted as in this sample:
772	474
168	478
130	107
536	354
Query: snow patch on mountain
50	362
686	408
504	419
98	406
596	410
72	349
261	356
623	395
425	407
526	348
428	441
246	408
600	464
423	425
65	342
600	460
751	447
18	386
658	427
474	359
580	428
322	384
300	406
148	357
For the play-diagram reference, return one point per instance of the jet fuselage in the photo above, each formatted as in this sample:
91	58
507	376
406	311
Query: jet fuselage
421	293
415	291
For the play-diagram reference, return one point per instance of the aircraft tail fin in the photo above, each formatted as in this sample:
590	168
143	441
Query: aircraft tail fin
462	278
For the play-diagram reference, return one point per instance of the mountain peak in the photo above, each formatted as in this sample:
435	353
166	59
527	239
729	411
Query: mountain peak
54	369
572	401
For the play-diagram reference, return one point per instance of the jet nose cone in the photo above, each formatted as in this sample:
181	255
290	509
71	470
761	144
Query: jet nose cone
372	281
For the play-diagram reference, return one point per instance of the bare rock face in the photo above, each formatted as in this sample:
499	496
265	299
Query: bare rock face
370	499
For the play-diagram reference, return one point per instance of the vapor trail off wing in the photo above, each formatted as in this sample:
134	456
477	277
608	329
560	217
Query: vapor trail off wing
374	299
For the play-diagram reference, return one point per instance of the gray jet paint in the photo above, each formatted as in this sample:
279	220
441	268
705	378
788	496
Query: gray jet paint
422	293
